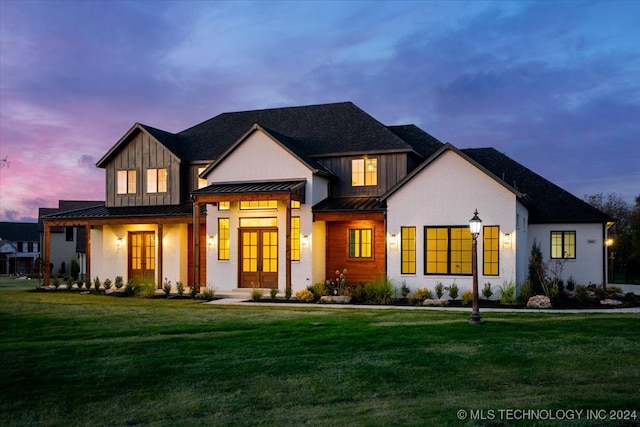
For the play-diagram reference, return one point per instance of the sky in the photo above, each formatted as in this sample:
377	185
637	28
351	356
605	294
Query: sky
554	85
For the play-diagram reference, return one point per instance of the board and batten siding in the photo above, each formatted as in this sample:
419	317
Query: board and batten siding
141	153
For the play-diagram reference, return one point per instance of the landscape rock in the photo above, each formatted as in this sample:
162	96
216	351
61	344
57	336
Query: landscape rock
609	301
342	299
435	302
539	301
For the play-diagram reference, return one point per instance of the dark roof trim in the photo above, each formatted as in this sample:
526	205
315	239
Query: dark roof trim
449	147
102	212
243	189
350	204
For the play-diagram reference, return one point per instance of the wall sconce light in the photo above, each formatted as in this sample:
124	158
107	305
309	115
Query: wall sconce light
304	240
507	239
209	240
392	239
119	242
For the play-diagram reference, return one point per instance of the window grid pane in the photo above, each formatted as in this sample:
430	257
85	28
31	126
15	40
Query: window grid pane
223	239
491	250
360	243
295	238
408	250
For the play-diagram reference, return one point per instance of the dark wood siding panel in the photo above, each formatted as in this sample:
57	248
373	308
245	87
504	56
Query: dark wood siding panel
359	270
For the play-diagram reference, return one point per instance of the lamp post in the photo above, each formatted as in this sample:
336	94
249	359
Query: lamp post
475	224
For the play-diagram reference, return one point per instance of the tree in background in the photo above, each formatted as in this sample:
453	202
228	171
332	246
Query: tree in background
625	234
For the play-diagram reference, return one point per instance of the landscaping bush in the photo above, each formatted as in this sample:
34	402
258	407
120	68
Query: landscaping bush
118	281
193	290
420	295
379	291
180	287
439	290
305	295
107	284
582	294
273	293
571	284
146	290
74	269
487	291
467	297
208	294
318	290
55	282
132	288
256	294
287	293
358	293
166	287
453	291
526	291
508	292
404	290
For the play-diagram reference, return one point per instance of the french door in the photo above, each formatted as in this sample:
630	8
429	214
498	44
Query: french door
258	258
142	255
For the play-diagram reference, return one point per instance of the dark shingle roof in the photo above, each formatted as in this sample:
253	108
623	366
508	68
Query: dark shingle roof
548	202
423	143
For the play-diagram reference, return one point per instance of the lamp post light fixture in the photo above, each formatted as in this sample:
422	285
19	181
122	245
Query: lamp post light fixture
475	224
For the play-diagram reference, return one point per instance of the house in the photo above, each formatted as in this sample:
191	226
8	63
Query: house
285	197
66	243
19	247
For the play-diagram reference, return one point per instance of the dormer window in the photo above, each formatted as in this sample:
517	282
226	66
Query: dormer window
127	181
364	172
157	180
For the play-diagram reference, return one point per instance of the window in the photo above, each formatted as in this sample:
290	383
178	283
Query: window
360	243
364	172
201	181
30	247
259	204
563	244
224	206
448	250
295	204
157	180
408	250
224	233
127	181
295	238
491	250
69	233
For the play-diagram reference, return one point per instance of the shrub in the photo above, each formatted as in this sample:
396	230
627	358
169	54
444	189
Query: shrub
536	269
486	291
614	290
358	293
508	292
439	289
119	284
146	290
305	295
118	280
273	292
287	293
318	290
571	284
527	291
380	291
208	294
132	288
467	297
74	269
256	294
55	282
404	289
180	287
107	284
453	291
582	293
193	290
420	295
601	293
166	287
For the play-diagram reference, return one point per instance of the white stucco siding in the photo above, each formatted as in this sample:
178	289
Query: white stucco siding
446	193
259	158
587	267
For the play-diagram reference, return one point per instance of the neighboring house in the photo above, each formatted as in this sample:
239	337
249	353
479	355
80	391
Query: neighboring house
66	243
285	197
19	247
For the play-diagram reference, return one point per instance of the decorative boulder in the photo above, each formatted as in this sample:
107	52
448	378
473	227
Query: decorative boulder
539	301
612	302
340	299
435	302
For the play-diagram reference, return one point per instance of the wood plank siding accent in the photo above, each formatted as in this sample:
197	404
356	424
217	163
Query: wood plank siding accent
391	169
362	270
141	153
202	281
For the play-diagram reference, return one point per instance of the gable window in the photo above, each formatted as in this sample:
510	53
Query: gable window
408	250
447	250
295	238
364	172
68	231
127	181
157	180
563	244
224	234
360	243
490	250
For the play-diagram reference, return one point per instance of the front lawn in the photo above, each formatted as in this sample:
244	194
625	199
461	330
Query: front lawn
89	360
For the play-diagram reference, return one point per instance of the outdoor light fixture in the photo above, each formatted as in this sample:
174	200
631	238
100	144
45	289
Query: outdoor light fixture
304	240
507	239
393	239
475	225
119	242
210	240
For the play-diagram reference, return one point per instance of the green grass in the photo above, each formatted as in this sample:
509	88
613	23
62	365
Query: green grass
88	360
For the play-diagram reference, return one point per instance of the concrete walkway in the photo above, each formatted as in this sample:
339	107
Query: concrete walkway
242	298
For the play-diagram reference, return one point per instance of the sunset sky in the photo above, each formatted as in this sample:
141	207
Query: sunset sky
554	85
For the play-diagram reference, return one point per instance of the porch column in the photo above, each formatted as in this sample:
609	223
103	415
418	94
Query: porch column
288	244
196	242
160	257
47	253
87	259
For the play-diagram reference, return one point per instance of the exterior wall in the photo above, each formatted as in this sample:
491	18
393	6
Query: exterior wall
520	241
141	153
446	193
109	260
588	265
272	163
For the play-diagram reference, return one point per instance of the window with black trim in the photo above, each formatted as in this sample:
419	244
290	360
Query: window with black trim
364	172
69	234
295	238
360	244
563	244
224	234
407	250
447	250
490	250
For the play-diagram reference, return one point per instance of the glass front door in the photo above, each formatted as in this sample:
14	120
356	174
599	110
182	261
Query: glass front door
259	258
